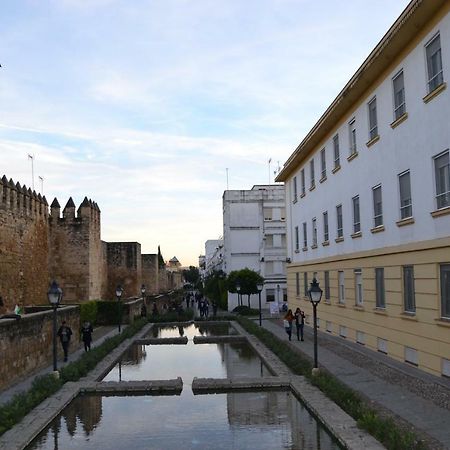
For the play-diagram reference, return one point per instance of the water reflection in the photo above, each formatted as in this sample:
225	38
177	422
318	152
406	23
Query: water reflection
191	330
163	362
263	420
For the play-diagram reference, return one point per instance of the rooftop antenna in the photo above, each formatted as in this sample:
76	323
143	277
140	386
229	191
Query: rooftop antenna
270	160
42	184
227	177
32	169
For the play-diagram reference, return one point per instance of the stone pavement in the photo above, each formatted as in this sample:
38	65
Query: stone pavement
99	335
420	399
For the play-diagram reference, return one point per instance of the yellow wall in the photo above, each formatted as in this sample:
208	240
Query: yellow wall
424	331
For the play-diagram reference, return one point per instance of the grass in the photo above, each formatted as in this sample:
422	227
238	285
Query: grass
385	430
44	386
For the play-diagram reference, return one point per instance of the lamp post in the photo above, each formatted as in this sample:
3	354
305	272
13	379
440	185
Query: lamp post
315	295
54	296
143	289
259	288
119	292
238	289
278	297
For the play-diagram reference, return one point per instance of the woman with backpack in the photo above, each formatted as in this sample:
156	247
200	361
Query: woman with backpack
288	319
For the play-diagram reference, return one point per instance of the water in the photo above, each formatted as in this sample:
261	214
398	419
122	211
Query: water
253	420
162	362
191	330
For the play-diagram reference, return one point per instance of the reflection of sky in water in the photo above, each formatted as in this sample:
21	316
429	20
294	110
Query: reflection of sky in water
162	362
254	420
191	330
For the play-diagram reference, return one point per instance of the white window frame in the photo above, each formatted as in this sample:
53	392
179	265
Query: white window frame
305	235
377	206
434	80
400	107
380	291
352	137
297	283
323	163
312	173
294	188
445	290
442	192
341	287
314	231
405	201
409	300
339	221
359	294
356	214
297	240
336	152
326	231
303	181
373	119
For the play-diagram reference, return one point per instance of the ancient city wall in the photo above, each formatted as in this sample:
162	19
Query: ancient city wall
150	273
24	245
26	343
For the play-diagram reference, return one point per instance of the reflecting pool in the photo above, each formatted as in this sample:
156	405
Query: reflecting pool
253	420
191	330
162	362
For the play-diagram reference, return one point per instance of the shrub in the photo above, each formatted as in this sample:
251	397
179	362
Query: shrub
245	311
108	313
88	312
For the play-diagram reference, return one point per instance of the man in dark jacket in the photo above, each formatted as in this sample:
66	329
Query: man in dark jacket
64	334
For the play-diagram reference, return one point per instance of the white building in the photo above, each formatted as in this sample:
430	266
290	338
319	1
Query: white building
213	256
368	198
254	237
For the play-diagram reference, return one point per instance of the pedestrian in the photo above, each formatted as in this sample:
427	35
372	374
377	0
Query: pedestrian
18	310
64	334
299	323
86	335
206	308
214	306
143	310
288	319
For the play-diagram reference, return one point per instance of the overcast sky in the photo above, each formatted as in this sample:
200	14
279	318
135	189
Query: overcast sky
141	105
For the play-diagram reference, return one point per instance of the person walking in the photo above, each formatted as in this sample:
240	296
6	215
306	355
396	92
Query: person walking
86	335
299	323
288	319
214	306
64	334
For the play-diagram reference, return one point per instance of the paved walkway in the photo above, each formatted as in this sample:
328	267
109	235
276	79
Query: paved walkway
99	335
416	397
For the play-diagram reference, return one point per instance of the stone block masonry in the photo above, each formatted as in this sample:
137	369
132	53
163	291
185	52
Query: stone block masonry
26	343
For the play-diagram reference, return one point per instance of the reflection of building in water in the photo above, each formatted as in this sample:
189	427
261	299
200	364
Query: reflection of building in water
87	409
279	409
134	355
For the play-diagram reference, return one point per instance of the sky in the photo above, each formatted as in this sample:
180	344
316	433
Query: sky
143	105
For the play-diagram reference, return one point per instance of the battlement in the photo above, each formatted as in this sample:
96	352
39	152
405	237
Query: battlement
22	201
88	211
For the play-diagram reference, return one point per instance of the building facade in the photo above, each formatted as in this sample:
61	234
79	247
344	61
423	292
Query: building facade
213	256
254	237
368	198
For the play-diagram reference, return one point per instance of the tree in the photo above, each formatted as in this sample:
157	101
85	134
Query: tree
215	288
192	275
248	280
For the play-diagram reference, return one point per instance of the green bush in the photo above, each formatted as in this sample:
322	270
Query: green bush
108	313
245	311
384	430
173	316
88	312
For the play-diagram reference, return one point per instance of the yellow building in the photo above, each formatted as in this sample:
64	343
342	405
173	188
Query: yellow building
368	198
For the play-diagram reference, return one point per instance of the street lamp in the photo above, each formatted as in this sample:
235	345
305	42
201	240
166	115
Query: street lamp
54	296
143	289
119	292
259	288
278	297
315	295
238	289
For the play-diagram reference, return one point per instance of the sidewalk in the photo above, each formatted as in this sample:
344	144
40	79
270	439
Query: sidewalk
419	398
99	335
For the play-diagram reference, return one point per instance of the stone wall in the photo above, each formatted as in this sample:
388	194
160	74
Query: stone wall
26	344
124	268
150	273
24	245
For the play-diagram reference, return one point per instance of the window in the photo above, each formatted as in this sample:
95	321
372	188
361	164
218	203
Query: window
342	331
325	226
305	236
340	228
356	219
314	230
337	161
373	121
341	287
405	195
434	63
329	326
326	276
267	213
270	295
269	240
294	189
380	301
282	213
442	175
409	301
270	267
302	179
323	163
382	345
358	287
311	170
305	284
398	85
284	295
411	356
296	240
377	207
297	283
360	337
445	291
352	136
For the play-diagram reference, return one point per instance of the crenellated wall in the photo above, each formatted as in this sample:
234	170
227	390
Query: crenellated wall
150	273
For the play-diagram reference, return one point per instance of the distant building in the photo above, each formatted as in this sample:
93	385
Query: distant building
213	255
368	198
254	236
